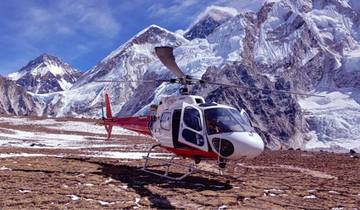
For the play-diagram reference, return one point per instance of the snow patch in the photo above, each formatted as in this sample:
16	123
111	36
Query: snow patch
74	197
68	138
4	168
222	207
310	197
137	200
10	155
24	191
104	203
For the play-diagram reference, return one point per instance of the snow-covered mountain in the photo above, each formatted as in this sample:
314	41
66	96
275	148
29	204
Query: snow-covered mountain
127	63
14	100
208	21
46	74
315	45
303	45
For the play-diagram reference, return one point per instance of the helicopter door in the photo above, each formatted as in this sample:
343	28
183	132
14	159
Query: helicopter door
192	127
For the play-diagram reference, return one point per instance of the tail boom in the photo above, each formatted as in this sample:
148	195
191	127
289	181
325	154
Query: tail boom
138	124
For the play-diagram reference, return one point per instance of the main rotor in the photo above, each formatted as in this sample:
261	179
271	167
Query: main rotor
167	58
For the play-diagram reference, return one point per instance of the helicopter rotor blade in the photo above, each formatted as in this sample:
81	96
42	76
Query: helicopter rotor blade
132	81
166	56
262	89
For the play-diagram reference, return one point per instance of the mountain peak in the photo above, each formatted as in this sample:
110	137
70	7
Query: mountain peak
45	59
153	35
48	59
45	74
209	20
149	33
217	13
151	28
46	56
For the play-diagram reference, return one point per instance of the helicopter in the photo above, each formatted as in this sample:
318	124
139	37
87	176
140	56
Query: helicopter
187	126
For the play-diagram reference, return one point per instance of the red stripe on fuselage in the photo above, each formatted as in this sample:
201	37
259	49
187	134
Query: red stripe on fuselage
141	125
191	153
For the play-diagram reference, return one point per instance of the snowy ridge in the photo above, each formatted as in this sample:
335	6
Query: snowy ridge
217	13
208	21
45	74
120	48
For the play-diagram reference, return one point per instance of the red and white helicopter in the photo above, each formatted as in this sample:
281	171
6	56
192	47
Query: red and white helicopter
187	126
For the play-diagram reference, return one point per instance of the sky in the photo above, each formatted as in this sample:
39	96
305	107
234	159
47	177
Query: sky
83	32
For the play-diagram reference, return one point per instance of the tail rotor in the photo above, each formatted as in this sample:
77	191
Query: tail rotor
108	126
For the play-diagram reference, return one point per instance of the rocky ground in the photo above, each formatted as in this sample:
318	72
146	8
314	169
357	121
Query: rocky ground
66	178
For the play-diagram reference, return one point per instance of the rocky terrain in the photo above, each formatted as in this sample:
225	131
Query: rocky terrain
66	172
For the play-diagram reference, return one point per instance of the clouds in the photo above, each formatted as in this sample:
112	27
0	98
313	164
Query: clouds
82	32
189	9
66	28
90	16
67	18
184	9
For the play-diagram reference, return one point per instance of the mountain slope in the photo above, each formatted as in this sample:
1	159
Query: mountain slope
46	74
302	45
14	100
127	63
314	46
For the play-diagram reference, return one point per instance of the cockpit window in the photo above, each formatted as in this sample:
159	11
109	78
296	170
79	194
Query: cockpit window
192	118
241	117
222	120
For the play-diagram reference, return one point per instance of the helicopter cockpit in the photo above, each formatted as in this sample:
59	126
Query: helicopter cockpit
223	120
222	129
230	133
185	121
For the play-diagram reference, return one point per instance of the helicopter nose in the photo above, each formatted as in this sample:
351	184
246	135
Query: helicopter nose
246	144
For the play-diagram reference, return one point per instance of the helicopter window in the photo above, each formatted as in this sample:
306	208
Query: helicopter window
165	120
222	120
241	117
193	137
192	118
199	100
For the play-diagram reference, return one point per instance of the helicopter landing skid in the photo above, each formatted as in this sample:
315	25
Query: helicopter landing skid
167	164
189	168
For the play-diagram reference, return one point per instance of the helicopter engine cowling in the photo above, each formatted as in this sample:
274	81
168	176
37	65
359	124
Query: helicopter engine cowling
237	145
